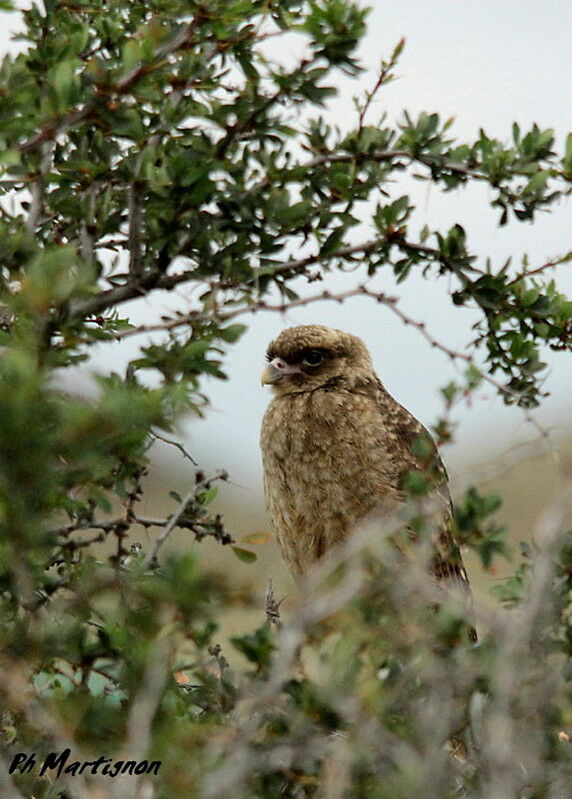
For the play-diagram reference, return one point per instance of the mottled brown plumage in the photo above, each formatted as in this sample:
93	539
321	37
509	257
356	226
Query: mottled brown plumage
337	449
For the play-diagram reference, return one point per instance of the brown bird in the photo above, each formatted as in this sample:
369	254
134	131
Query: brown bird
337	448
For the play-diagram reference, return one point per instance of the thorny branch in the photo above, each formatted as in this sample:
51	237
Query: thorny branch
563	259
120	525
155	279
360	291
392	155
175	444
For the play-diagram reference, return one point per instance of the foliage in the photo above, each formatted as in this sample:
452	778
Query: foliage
148	146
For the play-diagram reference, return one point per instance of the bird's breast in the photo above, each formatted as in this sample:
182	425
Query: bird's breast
325	467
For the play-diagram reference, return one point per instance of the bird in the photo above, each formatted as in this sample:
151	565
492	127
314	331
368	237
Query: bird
338	449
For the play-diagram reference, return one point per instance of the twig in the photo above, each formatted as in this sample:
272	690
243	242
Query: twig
38	189
549	265
199	486
152	279
135	239
176	444
391	155
135	494
272	606
156	279
135	201
384	76
87	244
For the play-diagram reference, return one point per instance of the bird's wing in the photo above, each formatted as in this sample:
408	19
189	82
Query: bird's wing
415	452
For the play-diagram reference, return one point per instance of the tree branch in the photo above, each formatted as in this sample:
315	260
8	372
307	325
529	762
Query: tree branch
37	202
135	241
390	155
153	279
548	265
176	444
87	244
201	485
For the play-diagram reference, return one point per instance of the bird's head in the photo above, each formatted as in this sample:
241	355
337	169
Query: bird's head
307	357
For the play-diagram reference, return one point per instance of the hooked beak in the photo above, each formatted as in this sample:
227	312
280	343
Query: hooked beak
277	370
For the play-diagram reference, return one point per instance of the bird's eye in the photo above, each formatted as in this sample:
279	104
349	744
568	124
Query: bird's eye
313	358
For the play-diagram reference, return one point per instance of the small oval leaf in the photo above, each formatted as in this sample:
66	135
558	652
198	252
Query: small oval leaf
257	537
244	554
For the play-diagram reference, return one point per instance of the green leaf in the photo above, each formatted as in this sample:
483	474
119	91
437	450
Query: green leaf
208	495
530	296
232	333
244	554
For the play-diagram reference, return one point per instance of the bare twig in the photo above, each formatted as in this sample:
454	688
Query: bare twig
176	444
362	291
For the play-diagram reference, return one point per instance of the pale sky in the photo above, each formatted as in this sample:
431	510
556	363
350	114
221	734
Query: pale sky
487	64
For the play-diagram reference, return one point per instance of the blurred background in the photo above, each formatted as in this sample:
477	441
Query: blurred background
486	64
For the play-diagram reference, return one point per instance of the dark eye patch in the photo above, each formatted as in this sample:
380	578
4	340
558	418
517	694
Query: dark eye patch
313	357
